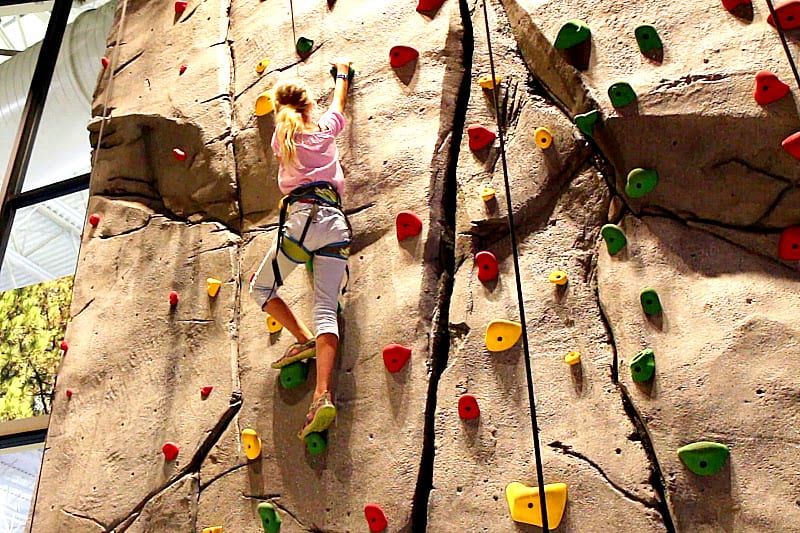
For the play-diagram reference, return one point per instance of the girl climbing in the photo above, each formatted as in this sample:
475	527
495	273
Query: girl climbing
312	227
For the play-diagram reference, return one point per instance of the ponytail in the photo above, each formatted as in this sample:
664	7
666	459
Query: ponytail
293	103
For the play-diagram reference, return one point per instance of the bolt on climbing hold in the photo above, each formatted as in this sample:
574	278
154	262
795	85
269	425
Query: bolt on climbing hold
429	5
170	451
270	520
730	5
792	145
769	88
395	357
543	138
94	219
641	182
651	303
488	83
558	277
789	244
252	443
487	266
180	6
643	365
64	346
524	505
408	224
704	458
468	408
264	104
262	65
788	15
213	285
179	154
571	34
213	529
401	55
315	443
273	326
487	194
572	358
502	335
205	391
183	68
648	39
480	137
586	121
104	61
614	237
376	518
69	393
304	46
173	298
621	94
293	375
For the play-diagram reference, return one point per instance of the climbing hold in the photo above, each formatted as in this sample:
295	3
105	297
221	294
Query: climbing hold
69	393
252	443
571	34
641	182
304	46
376	518
543	138
558	277
480	137
400	55
647	38
586	121
264	104
180	6
789	245
205	391
315	443
64	346
488	83
408	225
572	358
487	194
104	61
614	237
502	335
792	145
643	365
170	451
273	326
769	88
429	5
252	275
179	154
94	219
213	529
262	65
730	5
651	304
173	298
270	520
487	266
213	286
350	74
395	357
294	375
621	94
468	408
788	15
183	68
523	503
704	458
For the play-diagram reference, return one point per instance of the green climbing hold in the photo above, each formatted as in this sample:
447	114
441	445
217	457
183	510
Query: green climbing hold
647	38
704	458
621	94
614	237
294	375
643	365
350	75
572	33
269	517
304	45
586	121
651	304
641	182
316	443
310	264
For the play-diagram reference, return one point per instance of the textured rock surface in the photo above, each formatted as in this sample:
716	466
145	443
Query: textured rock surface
706	239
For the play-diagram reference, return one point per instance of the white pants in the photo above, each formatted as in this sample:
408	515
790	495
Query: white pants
328	227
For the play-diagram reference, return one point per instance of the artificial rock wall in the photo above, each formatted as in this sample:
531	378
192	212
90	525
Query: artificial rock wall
706	239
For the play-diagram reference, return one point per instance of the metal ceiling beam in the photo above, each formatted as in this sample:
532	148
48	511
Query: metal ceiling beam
23	8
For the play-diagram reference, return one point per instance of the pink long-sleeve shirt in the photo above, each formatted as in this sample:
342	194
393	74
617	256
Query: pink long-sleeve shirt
317	156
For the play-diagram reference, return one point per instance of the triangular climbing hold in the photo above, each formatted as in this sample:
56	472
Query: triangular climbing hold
621	94
395	357
651	303
376	518
252	443
704	458
502	335
543	138
270	520
213	285
180	6
480	136
170	451
408	224
641	182
769	88
205	391
487	266
487	194
273	326
643	365
487	82
614	237
468	408
572	358
789	245
424	6
792	145
788	15
587	121
264	104
400	55
571	34
524	503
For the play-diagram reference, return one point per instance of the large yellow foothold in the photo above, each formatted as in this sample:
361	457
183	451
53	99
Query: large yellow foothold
264	105
523	502
213	285
488	83
487	194
273	326
572	358
252	443
502	335
214	529
262	65
543	138
558	277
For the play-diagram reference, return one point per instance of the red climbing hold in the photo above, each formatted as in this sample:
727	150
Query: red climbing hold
94	219
173	298
730	5
400	55
408	225
376	518
792	144
64	346
170	450
769	88
69	394
789	245
429	5
468	407
179	154
487	266
480	137
788	14
104	61
183	68
205	391
180	6
253	275
395	357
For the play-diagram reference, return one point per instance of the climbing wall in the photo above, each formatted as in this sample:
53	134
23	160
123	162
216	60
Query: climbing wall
636	114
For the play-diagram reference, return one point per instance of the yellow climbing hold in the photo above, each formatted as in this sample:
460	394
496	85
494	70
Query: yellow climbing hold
264	105
558	277
524	505
543	138
488	83
262	65
572	358
487	194
213	285
214	529
502	335
273	326
252	443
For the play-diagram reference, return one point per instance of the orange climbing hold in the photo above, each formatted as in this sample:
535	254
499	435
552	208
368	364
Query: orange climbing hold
468	408
788	15
395	357
401	55
376	518
252	443
789	245
213	529
212	286
792	145
502	335
179	154
429	5
94	219
769	88
480	136
572	358
408	225
170	451
264	104
173	298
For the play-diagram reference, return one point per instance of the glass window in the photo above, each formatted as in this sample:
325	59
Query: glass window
19	470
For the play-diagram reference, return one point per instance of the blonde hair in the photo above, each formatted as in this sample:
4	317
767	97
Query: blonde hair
292	104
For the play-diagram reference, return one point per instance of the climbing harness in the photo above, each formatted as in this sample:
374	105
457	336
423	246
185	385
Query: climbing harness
531	398
782	35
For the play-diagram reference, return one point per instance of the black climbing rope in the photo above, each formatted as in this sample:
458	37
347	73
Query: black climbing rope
783	41
531	398
291	11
